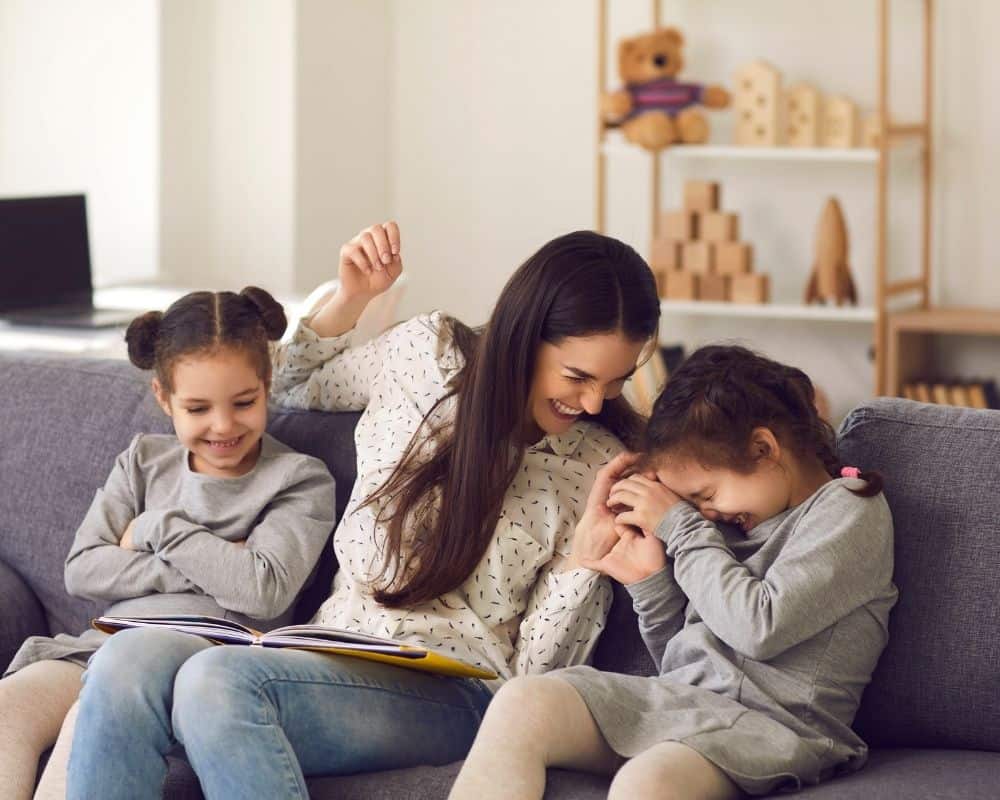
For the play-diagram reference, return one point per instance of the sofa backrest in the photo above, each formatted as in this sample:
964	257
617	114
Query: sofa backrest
938	681
63	422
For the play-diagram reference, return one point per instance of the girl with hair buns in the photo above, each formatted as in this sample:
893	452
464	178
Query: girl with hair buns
220	519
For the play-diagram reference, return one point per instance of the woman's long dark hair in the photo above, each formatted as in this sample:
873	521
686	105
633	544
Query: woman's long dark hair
721	393
442	502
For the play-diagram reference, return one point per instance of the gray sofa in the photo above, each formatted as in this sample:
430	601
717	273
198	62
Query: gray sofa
931	715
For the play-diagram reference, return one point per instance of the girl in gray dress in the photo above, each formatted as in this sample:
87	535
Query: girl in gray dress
219	520
761	572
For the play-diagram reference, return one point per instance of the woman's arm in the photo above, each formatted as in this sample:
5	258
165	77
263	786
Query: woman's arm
262	577
97	567
316	369
839	558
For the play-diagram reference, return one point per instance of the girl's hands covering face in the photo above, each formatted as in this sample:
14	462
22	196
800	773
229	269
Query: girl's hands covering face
644	499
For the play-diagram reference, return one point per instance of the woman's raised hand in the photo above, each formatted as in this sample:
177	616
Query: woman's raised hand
370	263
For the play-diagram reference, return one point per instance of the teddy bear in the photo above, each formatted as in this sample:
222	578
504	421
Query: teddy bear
655	110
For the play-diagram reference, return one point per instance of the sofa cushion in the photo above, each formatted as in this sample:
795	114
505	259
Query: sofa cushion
22	614
938	680
892	774
889	775
65	421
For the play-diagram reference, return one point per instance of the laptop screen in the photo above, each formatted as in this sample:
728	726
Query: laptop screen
44	252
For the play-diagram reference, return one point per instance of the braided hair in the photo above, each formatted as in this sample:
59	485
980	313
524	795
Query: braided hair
721	393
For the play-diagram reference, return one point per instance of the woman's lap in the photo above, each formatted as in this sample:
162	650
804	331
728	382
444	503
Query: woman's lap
256	722
339	714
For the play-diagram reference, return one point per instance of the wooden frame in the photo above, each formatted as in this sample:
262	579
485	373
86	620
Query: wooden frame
922	130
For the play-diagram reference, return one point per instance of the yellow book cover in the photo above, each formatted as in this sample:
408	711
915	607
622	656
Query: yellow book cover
303	637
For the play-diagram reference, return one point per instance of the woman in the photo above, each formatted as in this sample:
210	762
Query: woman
476	451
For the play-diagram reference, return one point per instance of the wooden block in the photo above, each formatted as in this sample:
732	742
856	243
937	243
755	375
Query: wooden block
665	254
922	392
840	122
661	282
679	225
698	257
733	258
909	392
681	285
803	116
756	102
718	226
701	196
871	131
713	287
752	288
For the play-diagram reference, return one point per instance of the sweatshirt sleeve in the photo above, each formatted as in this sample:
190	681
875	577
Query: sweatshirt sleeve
838	558
96	567
262	578
659	604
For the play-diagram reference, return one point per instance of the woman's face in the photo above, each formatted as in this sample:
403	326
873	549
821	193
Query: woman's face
577	375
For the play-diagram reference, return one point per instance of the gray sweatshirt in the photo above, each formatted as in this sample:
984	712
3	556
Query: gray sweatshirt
765	641
186	523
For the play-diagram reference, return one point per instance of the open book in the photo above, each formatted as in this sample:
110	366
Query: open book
303	637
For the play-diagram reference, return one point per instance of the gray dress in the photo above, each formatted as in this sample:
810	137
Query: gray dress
185	523
765	641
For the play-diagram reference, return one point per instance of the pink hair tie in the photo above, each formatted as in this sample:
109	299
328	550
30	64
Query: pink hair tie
850	472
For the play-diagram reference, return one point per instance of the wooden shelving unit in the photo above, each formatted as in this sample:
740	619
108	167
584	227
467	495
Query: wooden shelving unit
910	333
895	134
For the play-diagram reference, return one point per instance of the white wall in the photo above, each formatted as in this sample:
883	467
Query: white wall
341	119
274	131
78	114
228	138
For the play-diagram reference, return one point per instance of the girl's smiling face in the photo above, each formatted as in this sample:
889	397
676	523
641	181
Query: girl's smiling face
744	499
724	495
219	410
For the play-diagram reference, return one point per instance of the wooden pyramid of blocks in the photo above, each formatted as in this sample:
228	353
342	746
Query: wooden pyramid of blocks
697	253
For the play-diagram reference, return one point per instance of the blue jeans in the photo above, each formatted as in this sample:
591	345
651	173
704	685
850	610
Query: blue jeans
254	722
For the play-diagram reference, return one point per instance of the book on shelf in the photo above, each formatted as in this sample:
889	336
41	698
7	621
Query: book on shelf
303	637
940	394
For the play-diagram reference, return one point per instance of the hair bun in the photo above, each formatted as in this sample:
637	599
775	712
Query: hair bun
141	338
271	311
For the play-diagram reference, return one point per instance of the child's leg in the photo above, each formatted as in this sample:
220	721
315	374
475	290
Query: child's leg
533	723
671	771
52	785
33	704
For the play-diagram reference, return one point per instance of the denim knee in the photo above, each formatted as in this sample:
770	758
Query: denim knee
213	691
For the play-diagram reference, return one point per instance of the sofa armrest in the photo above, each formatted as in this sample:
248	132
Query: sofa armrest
21	614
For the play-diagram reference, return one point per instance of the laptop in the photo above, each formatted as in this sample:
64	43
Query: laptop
45	265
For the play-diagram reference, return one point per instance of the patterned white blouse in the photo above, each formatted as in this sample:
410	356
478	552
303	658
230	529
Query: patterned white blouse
518	612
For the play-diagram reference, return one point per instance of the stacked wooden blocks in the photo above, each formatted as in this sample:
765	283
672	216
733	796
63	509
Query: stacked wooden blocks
697	253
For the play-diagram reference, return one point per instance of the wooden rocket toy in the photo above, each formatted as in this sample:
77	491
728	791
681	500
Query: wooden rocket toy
831	276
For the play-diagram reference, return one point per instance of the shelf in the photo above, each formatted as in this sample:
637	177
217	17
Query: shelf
787	311
856	155
971	321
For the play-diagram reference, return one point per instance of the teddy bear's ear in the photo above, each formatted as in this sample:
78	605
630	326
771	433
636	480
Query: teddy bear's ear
674	36
626	46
